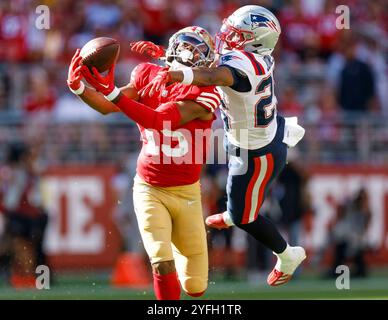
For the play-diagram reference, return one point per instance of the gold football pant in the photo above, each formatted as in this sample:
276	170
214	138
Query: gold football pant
172	228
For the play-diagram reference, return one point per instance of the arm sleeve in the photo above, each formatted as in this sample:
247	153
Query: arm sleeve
166	116
206	97
243	64
241	81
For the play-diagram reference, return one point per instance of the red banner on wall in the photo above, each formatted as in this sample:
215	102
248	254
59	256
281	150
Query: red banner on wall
81	232
332	185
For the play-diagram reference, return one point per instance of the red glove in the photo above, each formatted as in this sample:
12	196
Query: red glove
74	76
147	48
103	84
157	84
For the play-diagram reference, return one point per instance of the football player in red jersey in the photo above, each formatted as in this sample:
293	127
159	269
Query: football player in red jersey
166	192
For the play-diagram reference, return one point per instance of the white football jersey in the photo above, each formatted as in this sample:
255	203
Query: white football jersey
250	116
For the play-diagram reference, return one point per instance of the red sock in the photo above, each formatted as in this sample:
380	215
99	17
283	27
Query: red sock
196	295
167	286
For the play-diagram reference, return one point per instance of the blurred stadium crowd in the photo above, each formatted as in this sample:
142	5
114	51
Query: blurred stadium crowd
335	80
311	48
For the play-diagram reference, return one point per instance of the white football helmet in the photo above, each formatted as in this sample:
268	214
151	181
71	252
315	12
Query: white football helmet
250	28
190	47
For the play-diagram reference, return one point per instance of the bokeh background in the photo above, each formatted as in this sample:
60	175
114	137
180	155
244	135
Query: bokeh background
66	171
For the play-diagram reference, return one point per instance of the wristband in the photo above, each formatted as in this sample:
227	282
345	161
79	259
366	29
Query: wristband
113	95
80	90
188	76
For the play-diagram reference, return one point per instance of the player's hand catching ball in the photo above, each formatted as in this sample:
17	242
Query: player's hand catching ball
157	84
103	84
147	48
75	76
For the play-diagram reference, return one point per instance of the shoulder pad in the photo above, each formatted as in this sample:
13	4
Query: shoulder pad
140	75
207	97
244	61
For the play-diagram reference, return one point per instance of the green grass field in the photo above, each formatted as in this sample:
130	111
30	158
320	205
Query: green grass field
92	286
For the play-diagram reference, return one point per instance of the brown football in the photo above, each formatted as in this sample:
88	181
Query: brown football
101	53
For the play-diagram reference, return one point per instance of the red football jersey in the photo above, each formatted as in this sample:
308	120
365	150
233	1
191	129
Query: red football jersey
174	158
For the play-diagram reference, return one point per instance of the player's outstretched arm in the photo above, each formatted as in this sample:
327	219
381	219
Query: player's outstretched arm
98	102
169	115
218	76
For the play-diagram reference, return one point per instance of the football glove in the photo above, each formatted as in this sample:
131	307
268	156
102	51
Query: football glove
157	84
74	75
147	48
103	84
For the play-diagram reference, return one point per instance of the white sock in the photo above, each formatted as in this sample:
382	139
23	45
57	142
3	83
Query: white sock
289	259
286	254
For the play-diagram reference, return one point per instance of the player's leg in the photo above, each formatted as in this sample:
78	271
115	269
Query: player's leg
155	227
250	177
189	239
244	212
246	194
166	283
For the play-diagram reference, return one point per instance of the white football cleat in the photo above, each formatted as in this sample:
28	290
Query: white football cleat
286	265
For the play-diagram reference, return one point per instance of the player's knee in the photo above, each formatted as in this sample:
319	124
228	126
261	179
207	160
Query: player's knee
195	286
160	254
163	267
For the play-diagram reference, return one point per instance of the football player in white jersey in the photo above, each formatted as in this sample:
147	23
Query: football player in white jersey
256	135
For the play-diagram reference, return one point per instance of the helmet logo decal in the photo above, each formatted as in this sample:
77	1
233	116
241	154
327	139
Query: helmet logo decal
258	20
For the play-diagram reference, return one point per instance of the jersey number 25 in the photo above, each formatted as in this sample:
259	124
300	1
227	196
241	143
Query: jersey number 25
264	108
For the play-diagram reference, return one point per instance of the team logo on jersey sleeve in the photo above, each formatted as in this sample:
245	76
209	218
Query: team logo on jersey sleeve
229	57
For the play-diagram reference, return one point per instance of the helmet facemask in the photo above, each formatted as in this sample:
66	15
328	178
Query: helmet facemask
230	37
188	50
